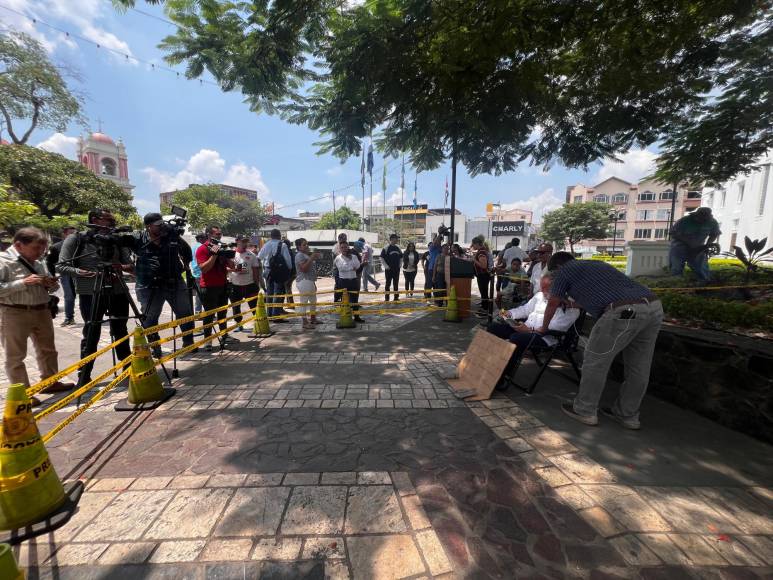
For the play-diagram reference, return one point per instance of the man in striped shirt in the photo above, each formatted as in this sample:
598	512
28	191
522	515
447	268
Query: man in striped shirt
628	318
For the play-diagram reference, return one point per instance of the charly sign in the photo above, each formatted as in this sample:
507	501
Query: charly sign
507	228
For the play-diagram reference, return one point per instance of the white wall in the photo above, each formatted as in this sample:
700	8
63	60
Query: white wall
741	214
435	221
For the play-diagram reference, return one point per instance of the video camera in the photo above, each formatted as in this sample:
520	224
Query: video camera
444	231
225	250
176	226
121	237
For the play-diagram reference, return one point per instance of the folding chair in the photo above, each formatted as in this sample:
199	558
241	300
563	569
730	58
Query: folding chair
567	345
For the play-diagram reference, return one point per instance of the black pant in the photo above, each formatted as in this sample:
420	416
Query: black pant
410	279
117	305
393	277
353	286
214	297
240	293
484	281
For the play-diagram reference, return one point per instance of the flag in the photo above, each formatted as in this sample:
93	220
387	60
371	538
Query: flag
415	187
402	176
362	169
383	180
446	201
370	159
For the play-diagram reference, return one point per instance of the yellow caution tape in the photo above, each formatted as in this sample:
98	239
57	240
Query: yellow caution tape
27	477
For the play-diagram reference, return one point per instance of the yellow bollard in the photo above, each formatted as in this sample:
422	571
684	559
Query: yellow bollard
144	383
30	489
8	567
452	307
345	319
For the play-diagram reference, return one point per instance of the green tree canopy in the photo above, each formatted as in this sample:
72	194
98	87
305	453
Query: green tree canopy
56	185
575	222
209	205
344	218
33	89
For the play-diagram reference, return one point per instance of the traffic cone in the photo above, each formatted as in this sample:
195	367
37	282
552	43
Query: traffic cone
8	567
345	319
144	383
261	327
29	487
452	307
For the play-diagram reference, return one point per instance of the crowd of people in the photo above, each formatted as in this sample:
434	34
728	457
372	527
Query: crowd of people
547	293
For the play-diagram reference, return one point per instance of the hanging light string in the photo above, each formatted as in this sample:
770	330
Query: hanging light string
128	57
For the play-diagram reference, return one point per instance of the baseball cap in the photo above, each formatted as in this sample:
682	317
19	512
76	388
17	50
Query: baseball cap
153	219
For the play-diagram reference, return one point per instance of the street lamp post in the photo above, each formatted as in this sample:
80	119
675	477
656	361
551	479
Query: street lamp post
614	216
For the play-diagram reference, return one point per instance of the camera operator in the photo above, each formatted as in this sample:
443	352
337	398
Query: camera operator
81	256
161	258
214	267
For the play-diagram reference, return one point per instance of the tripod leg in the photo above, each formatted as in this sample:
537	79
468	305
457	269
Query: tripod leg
93	328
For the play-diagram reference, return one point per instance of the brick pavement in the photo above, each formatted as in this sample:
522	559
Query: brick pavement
269	461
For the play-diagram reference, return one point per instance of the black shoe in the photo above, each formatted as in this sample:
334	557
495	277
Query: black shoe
280	321
68	322
358	319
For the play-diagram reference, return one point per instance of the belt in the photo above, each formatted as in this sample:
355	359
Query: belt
644	300
27	307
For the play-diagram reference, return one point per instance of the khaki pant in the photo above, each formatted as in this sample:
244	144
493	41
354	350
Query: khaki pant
16	326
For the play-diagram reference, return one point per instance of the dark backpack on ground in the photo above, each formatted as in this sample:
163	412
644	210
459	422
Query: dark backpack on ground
277	267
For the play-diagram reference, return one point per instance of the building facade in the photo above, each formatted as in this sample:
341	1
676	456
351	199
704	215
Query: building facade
744	206
643	210
105	158
165	197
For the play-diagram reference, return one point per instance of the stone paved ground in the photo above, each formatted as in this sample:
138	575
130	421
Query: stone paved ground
343	454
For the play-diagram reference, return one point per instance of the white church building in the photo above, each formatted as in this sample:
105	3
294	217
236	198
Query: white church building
744	206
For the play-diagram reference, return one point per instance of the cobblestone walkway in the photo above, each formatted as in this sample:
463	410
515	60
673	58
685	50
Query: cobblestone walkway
296	457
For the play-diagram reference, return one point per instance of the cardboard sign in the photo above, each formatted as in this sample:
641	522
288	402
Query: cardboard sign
481	367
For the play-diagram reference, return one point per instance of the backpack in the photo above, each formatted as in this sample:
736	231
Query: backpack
277	267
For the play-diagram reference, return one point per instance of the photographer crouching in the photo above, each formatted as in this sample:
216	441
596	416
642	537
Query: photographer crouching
162	256
83	256
214	261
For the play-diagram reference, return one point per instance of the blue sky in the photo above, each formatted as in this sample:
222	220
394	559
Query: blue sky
178	131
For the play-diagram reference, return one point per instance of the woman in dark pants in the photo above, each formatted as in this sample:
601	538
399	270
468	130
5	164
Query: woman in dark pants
482	274
410	266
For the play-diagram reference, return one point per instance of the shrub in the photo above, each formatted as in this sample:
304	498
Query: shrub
720	313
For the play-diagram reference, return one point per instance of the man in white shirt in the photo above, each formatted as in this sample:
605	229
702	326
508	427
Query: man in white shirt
526	334
514	251
539	269
347	264
244	278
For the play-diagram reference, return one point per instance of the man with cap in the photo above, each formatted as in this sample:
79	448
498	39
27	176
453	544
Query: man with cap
244	278
691	237
161	259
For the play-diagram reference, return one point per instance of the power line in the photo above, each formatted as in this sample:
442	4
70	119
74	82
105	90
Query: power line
128	57
154	17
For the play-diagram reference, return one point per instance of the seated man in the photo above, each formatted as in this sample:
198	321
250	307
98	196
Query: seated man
525	334
512	283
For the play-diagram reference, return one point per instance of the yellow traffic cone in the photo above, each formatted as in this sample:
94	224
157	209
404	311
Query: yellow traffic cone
261	328
8	567
452	307
144	383
29	487
345	319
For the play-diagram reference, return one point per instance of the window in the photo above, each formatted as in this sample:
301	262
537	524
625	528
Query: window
645	214
741	187
108	166
661	233
642	234
693	195
621	216
724	198
735	224
577	199
618	234
764	190
663	215
666	195
620	198
601	198
646	196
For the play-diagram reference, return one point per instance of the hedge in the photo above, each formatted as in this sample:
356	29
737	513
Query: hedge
719	312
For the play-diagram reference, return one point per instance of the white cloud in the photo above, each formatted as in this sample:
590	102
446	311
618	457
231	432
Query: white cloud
62	144
145	205
539	204
633	166
355	201
335	170
85	18
207	166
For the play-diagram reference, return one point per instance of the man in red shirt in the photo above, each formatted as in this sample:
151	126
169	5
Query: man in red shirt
214	279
